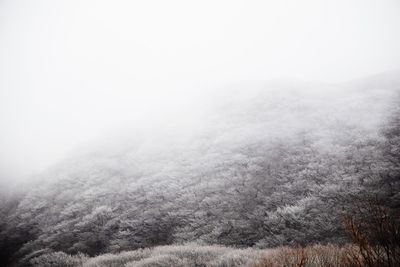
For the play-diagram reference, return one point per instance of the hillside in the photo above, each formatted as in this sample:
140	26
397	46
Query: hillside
272	165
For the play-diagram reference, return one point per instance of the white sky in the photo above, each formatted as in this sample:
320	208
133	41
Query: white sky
71	70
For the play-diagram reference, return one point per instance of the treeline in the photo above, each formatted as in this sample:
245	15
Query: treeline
375	233
277	169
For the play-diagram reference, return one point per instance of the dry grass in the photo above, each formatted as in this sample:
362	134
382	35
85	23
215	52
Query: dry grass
312	256
212	256
163	256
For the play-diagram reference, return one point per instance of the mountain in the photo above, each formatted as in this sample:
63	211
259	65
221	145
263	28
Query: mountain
268	165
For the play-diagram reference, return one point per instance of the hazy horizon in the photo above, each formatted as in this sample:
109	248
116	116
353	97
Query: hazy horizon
72	72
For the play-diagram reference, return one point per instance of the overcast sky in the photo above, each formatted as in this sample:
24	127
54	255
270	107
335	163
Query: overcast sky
72	70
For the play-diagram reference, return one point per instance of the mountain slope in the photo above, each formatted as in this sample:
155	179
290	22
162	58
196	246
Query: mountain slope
271	165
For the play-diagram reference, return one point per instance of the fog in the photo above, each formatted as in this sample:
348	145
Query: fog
76	71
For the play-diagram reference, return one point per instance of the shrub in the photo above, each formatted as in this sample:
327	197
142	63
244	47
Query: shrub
312	256
237	258
116	260
160	261
59	259
376	233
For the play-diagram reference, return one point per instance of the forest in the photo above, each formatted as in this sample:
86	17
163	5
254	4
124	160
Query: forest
283	173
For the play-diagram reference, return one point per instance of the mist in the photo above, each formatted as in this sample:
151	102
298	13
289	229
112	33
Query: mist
72	72
199	133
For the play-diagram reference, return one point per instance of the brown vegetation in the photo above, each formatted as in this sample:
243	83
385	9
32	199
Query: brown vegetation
375	231
311	256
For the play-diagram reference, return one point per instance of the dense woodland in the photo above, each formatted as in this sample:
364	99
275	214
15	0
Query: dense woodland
273	165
